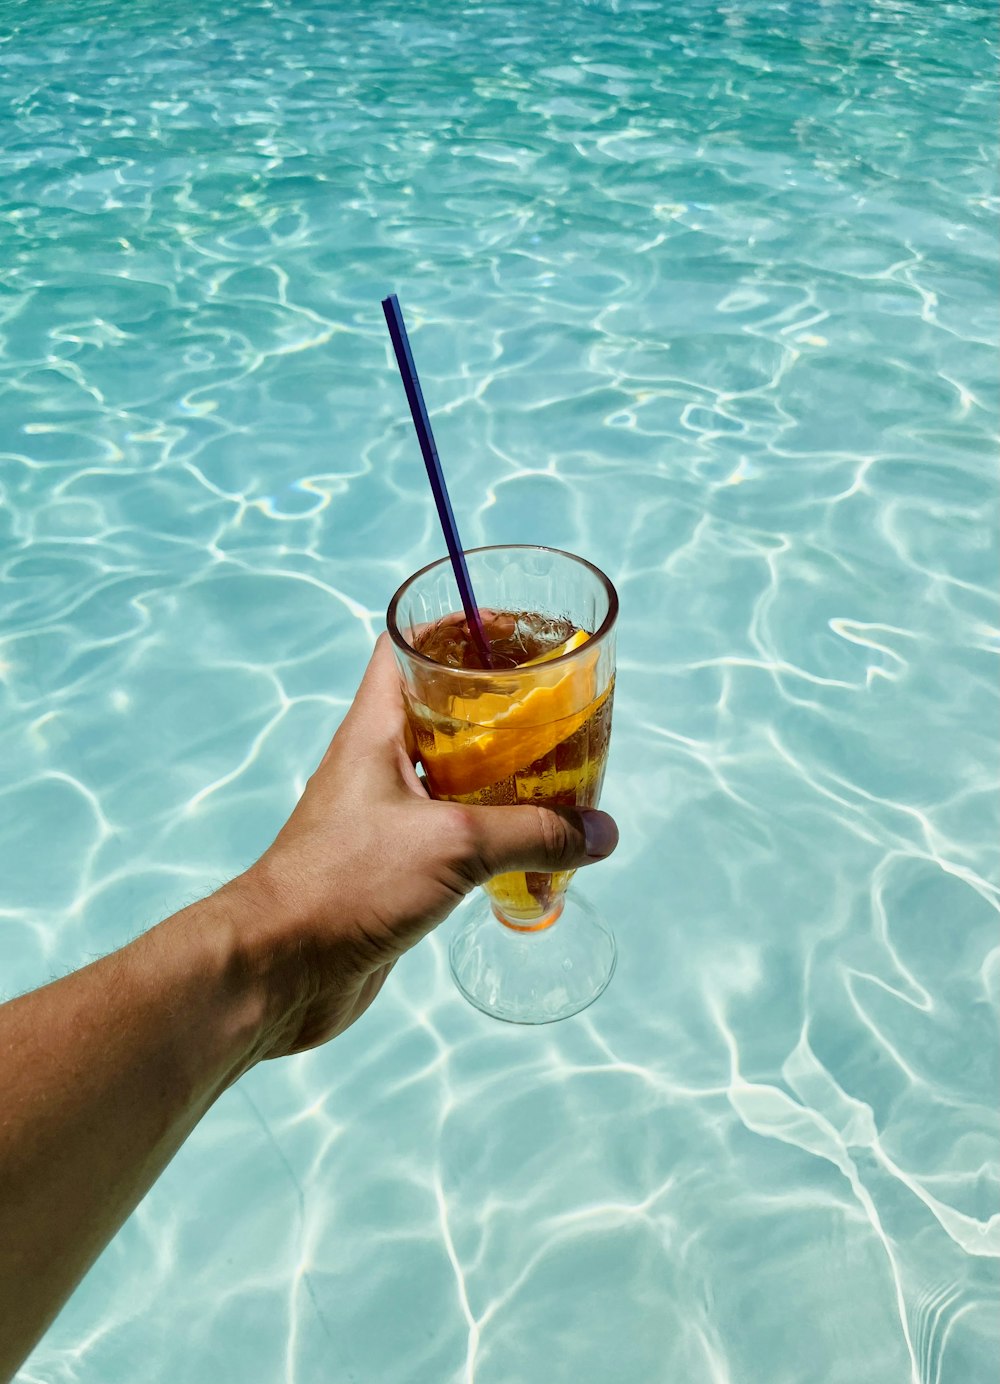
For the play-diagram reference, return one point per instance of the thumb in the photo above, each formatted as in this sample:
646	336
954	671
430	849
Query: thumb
541	838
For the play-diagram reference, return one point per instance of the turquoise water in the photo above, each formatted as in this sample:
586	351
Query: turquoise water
708	294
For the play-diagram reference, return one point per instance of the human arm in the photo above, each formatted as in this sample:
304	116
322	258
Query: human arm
105	1072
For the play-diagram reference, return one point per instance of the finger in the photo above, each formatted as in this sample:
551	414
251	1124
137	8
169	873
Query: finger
540	838
376	723
379	697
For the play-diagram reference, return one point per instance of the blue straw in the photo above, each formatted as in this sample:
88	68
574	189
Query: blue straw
415	398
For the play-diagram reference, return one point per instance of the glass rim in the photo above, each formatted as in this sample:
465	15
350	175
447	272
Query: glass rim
602	631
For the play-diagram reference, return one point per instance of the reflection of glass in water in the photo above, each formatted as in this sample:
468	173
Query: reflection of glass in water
542	740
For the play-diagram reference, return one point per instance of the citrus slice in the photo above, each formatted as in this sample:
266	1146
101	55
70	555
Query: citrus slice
577	638
492	736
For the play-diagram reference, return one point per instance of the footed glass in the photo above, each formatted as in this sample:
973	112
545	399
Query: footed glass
533	729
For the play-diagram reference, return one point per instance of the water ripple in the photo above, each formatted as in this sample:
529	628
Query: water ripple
708	294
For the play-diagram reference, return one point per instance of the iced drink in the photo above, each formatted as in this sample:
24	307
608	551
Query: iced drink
540	736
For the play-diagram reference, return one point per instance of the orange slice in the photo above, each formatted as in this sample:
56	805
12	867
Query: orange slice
577	638
496	734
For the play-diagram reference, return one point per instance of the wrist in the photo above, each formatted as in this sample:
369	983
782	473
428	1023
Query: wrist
222	983
268	960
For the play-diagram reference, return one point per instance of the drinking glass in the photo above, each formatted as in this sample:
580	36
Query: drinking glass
538	733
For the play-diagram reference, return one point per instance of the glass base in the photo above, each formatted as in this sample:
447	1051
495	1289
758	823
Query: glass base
532	977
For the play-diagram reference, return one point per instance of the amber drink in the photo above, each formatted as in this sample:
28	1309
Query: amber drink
545	741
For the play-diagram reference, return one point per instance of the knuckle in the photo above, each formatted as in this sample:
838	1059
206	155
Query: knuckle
555	836
457	826
464	856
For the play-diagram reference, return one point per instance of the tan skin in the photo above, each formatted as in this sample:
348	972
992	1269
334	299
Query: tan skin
104	1073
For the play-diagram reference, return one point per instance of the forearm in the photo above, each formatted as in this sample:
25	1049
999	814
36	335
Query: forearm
103	1074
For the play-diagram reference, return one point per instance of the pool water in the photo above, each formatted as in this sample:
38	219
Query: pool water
707	293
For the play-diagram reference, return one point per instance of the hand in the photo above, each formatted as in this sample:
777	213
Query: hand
367	864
